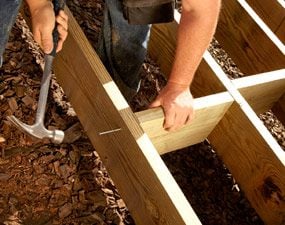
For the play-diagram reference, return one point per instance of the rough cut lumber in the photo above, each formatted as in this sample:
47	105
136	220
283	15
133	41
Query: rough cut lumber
271	12
208	112
146	185
262	90
252	155
246	43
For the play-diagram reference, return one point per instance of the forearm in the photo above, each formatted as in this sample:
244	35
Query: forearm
195	32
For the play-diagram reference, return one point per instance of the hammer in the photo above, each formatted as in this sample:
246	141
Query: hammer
38	129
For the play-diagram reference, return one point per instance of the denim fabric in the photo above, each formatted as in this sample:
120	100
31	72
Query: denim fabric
122	47
8	13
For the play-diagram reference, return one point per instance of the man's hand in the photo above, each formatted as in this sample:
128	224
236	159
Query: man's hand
177	103
43	21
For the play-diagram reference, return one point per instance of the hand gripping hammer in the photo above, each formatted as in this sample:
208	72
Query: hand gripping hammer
38	129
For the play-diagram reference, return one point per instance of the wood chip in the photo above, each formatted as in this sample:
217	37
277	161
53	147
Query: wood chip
20	91
28	101
9	93
13	104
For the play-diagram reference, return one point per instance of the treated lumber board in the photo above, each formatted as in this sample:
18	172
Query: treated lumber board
257	170
262	90
144	182
279	109
161	48
208	112
252	47
252	155
271	12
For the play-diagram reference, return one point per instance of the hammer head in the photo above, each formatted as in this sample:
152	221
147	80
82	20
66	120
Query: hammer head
38	130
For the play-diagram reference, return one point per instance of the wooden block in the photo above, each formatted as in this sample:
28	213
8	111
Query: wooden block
246	43
143	180
208	112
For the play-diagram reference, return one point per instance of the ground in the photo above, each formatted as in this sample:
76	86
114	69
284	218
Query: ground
42	183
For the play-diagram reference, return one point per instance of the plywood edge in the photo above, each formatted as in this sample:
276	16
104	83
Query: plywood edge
144	182
263	90
208	112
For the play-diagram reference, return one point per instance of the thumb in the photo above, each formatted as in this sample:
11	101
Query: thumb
47	42
155	103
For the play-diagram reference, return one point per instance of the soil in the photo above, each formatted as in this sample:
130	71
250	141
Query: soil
42	183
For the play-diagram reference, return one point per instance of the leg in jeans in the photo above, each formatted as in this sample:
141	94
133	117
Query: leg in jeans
122	47
8	13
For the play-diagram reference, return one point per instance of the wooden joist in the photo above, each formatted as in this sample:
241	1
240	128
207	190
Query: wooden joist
253	49
279	109
252	155
272	13
146	185
262	91
209	110
242	141
280	32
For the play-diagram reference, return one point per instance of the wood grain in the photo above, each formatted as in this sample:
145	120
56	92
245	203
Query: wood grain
271	12
245	42
280	31
279	109
257	169
250	152
146	185
208	112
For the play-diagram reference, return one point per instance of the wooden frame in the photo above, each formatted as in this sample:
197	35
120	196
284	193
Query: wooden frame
130	150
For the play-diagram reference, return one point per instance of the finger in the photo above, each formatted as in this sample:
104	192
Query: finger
169	119
46	41
190	117
63	15
62	37
155	103
62	32
37	36
62	21
180	120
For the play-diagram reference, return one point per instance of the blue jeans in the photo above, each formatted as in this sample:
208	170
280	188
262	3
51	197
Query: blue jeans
121	46
8	13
